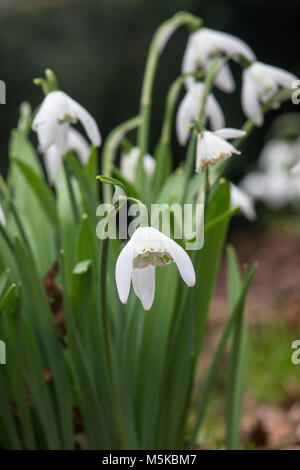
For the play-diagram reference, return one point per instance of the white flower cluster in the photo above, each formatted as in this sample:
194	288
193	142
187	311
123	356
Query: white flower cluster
277	180
148	247
260	83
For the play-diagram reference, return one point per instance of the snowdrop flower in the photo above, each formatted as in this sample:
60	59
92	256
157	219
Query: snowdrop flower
57	112
212	147
260	82
205	44
279	155
189	109
2	216
276	190
147	249
239	198
129	162
53	157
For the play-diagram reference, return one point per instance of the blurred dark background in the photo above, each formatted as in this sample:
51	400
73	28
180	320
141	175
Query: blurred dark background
98	51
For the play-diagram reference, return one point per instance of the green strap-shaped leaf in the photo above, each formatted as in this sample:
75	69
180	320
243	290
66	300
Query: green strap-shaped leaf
212	372
237	361
208	258
41	189
40	319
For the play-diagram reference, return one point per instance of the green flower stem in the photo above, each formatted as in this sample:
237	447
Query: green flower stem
207	187
155	51
190	157
106	336
110	148
171	101
25	118
156	48
71	191
208	84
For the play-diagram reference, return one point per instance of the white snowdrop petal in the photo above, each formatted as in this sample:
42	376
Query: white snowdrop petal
212	148
276	189
250	101
143	281
189	56
281	76
278	155
78	144
61	138
46	129
88	122
182	259
224	79
188	110
2	216
229	133
149	165
214	113
239	198
124	271
129	162
232	44
52	111
53	161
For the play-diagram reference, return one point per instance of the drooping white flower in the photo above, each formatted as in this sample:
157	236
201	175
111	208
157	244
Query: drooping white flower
260	83
129	163
53	157
189	109
2	216
279	155
212	147
147	249
276	190
239	198
57	112
204	45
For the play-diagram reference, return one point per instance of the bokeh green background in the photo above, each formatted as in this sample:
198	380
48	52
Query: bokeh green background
98	51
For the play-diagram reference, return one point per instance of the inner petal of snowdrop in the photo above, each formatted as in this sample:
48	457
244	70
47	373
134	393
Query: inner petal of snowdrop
150	252
67	118
267	85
